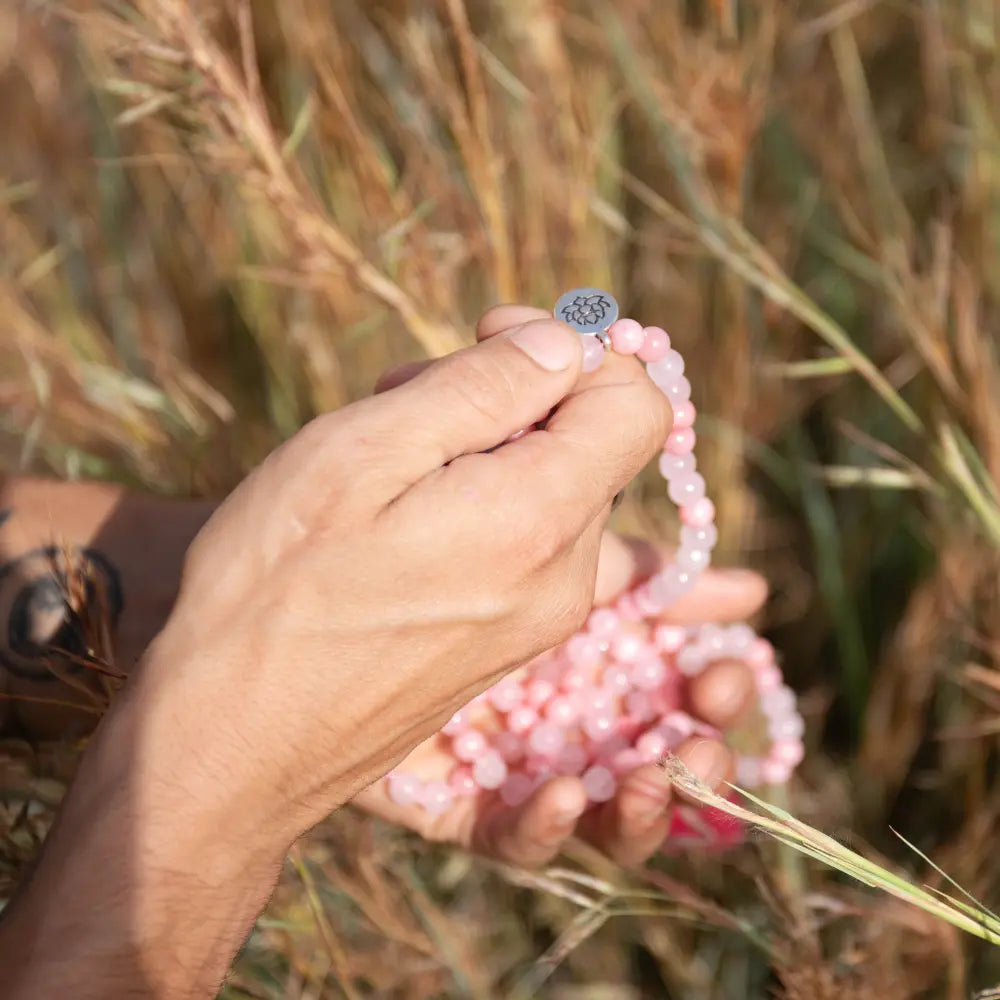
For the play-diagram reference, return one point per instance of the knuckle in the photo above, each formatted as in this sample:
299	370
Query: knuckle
487	391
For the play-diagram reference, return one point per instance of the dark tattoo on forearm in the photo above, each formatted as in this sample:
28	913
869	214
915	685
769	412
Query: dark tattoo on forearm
60	605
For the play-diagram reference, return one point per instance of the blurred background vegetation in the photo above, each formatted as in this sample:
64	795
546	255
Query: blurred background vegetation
219	219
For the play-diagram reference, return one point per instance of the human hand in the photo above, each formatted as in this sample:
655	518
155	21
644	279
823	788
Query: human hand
633	825
303	657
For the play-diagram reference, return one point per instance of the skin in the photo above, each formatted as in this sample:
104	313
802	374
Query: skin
302	656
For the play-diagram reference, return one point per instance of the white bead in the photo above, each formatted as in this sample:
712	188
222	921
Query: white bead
675	465
739	639
692	560
699	538
686	489
678	391
667	370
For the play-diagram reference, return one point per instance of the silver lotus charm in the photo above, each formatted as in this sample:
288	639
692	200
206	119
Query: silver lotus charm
587	310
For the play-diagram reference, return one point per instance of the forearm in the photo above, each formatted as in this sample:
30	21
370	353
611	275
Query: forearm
153	873
129	546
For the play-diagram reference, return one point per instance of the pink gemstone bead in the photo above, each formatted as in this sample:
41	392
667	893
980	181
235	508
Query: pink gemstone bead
667	370
768	678
639	706
562	710
583	650
655	344
599	783
506	696
404	789
691	661
627	336
596	700
616	680
671	465
789	752
461	782
692	560
455	724
651	746
468	745
538	691
628	647
489	771
684	415
546	739
699	514
626	761
649	674
627	609
669	638
509	745
572	759
760	654
517	789
603	623
521	719
437	797
593	354
646	601
686	489
681	722
774	772
748	771
791	727
598	725
575	679
680	441
678	391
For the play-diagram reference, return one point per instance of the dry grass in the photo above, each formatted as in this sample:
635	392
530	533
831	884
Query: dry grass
216	226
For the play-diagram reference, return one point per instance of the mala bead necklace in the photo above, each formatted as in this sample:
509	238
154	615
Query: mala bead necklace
608	700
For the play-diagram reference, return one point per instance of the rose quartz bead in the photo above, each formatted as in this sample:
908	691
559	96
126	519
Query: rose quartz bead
790	752
669	638
691	661
684	414
651	746
436	797
546	739
681	722
506	696
593	354
671	465
648	674
748	771
655	344
699	514
739	638
626	608
791	727
626	336
712	639
646	601
686	489
768	677
774	772
572	759
599	783
455	724
538	691
583	650
691	559
638	706
461	782
489	771
521	719
603	623
667	370
596	699
760	654
699	538
574	680
678	391
516	789
778	703
509	745
404	789
469	744
616	680
562	710
628	647
626	761
680	441
598	725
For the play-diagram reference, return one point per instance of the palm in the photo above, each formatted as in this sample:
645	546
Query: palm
632	825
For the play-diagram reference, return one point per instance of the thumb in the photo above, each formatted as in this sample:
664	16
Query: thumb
474	399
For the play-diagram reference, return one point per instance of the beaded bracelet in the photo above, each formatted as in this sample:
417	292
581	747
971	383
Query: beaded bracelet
609	699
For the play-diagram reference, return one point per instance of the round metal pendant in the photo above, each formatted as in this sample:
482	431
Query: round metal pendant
587	310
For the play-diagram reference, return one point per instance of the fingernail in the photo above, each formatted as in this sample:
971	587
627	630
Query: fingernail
551	346
709	761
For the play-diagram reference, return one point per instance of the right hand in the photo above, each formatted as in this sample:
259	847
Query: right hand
303	657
